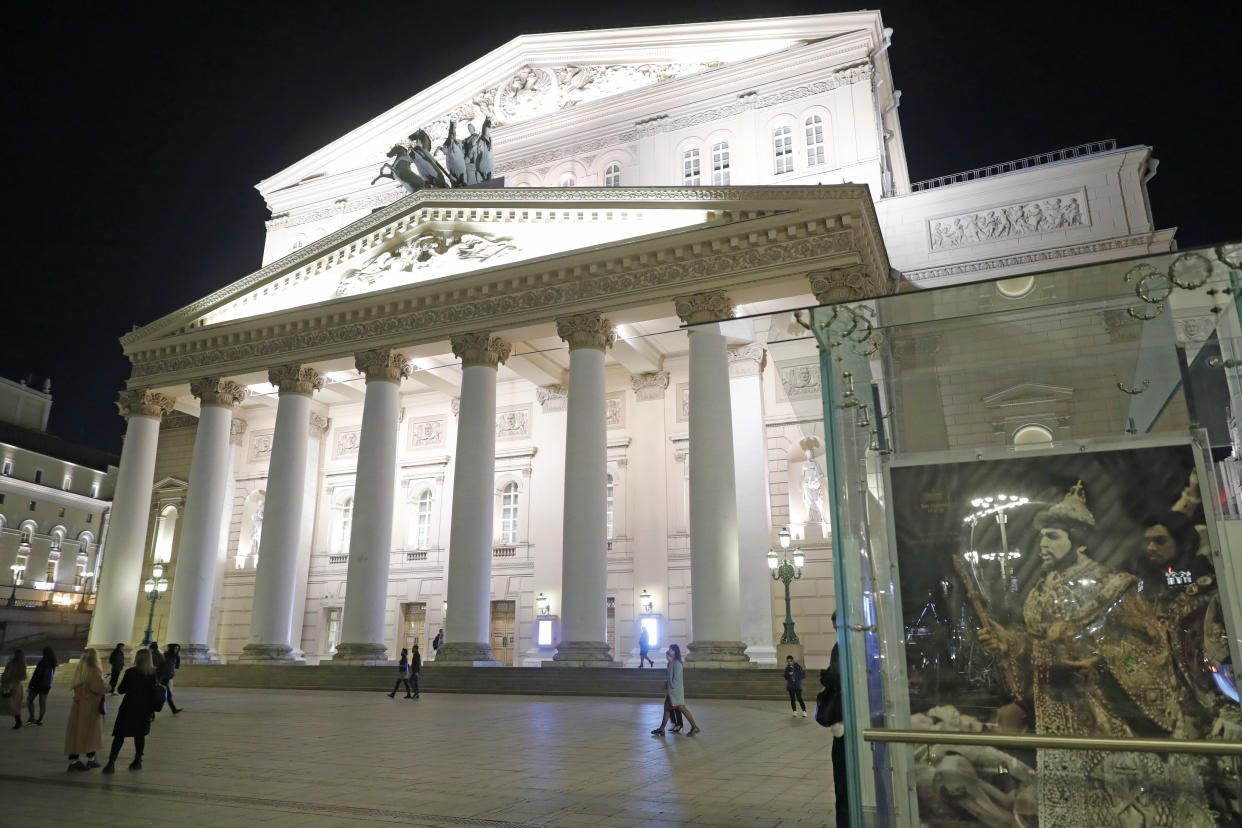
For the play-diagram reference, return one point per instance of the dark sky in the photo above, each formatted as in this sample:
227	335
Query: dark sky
136	132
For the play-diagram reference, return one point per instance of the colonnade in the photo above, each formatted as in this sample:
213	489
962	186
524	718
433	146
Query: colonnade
717	621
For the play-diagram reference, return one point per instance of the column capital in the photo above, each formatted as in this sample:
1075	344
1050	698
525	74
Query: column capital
747	360
479	349
217	391
317	425
295	379
848	284
143	402
382	365
237	430
586	330
650	386
552	397
708	306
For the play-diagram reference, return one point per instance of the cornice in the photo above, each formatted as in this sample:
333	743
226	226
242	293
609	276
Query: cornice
428	205
1033	257
60	497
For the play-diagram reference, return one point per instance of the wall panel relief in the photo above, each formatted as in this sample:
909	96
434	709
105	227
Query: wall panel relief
513	422
799	379
261	446
683	402
346	442
1025	218
614	409
425	432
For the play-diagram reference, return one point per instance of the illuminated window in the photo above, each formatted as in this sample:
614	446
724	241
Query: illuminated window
545	632
690	174
55	539
1032	435
165	531
814	140
423	539
51	570
347	525
27	530
6	468
509	514
609	506
333	637
612	175
782	148
67	482
720	164
95	489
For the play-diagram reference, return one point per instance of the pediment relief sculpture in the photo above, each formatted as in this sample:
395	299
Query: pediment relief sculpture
1028	393
431	254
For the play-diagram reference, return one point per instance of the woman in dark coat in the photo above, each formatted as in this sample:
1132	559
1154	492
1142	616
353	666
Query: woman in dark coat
40	685
139	687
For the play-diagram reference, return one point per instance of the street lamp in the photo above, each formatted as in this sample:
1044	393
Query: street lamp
786	571
15	568
541	604
155	587
644	601
995	506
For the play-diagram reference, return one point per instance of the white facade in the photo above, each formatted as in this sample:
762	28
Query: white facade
733	162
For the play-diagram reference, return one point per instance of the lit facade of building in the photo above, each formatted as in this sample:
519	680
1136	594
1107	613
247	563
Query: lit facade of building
428	411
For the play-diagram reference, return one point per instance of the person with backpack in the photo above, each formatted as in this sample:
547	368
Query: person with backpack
403	676
166	671
116	661
794	674
40	685
828	712
144	697
436	642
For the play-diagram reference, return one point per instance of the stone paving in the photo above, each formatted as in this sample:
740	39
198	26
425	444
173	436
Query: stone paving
306	758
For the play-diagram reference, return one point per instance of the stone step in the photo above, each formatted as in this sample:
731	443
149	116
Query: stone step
762	684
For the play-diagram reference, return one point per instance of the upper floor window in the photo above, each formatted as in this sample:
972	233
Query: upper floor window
67	482
38	475
568	180
690	173
610	502
27	535
814	140
422	537
782	149
6	468
347	525
55	540
612	175
95	489
720	164
509	514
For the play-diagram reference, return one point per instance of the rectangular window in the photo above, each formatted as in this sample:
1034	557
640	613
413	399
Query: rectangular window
690	175
51	572
61	513
95	489
814	140
334	629
782	148
545	632
89	517
1	498
38	475
6	468
720	164
33	505
66	483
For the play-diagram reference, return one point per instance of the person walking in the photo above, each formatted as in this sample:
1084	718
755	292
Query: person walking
40	685
676	693
416	667
644	642
116	661
11	687
794	674
167	671
403	676
84	730
436	642
143	695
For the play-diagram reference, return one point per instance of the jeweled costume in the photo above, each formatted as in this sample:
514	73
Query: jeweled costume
1093	661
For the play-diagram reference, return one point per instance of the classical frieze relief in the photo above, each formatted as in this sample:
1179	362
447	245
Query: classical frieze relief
662	123
1020	259
426	432
614	410
429	255
347	443
1024	218
513	422
800	379
261	445
433	316
375	231
370	201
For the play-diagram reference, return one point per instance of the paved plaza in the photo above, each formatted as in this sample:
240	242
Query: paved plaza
309	758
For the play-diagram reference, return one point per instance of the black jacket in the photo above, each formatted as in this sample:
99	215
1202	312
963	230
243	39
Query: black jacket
134	717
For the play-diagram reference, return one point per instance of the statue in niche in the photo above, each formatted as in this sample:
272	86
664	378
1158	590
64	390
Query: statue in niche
454	157
426	163
256	532
812	488
401	168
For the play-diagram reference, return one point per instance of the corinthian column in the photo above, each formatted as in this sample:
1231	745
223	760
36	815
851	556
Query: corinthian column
474	483
117	599
370	539
210	469
271	619
715	615
584	568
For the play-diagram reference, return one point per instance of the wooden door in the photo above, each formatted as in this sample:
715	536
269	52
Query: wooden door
414	627
503	630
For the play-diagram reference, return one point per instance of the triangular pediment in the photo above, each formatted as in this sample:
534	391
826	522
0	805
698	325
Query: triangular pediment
537	75
1028	393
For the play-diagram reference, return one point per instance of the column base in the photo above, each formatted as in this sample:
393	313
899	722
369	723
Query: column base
717	655
765	655
199	654
267	654
369	655
465	654
582	654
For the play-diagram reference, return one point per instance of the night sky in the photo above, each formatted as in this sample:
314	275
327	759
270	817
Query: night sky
136	132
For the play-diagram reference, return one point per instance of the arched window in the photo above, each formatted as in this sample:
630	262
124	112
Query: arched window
1032	434
165	531
256	531
27	529
509	515
782	149
568	180
423	531
612	175
690	173
347	524
720	164
814	140
55	538
610	502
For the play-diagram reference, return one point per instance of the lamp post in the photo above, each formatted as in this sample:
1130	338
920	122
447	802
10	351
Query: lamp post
542	605
644	601
155	587
786	571
15	568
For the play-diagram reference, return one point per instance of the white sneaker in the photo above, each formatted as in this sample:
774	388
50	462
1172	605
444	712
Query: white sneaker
804	714
794	714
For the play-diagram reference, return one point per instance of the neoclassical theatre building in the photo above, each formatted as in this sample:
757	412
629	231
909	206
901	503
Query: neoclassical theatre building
534	413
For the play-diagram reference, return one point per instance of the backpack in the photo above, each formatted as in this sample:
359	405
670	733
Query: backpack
828	708
158	696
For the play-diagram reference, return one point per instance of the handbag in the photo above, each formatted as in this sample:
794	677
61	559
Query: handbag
158	696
